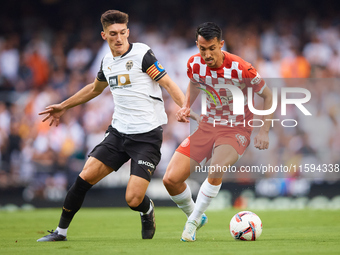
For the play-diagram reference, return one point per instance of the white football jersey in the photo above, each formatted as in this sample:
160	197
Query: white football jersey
132	78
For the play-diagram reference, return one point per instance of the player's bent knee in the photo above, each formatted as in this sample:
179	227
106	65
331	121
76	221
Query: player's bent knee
85	178
215	181
133	201
169	182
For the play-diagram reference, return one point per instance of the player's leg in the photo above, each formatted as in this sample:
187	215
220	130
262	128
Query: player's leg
106	157
192	150
93	171
176	173
144	150
138	201
135	195
224	155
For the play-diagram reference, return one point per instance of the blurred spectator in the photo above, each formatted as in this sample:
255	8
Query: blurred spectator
295	66
79	57
317	52
9	58
39	67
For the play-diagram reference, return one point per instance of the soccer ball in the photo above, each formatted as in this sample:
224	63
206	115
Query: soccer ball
246	226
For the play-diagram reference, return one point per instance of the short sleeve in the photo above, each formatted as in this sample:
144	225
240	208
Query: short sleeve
190	73
253	78
100	75
152	67
189	69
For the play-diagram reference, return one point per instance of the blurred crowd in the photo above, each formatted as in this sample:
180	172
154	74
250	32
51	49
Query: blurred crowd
44	65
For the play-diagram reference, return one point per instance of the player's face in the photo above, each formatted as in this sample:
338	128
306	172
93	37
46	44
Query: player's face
211	51
116	36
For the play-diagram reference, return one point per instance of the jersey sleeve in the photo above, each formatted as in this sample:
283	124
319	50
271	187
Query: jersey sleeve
254	79
152	67
100	75
190	71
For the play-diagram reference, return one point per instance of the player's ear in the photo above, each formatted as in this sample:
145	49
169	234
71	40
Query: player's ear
221	43
197	44
102	33
128	32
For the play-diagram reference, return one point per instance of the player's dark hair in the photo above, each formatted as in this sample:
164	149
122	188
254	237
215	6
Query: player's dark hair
209	30
112	17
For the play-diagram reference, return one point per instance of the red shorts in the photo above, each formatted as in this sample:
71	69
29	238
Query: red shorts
200	144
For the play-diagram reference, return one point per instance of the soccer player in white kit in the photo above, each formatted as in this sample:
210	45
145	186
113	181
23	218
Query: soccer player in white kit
133	74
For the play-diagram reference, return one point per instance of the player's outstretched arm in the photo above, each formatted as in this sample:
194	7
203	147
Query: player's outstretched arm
261	140
55	111
174	91
184	113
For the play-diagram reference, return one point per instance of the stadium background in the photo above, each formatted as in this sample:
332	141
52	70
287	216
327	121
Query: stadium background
49	49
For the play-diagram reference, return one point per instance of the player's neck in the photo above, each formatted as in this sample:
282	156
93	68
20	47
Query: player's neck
220	62
120	53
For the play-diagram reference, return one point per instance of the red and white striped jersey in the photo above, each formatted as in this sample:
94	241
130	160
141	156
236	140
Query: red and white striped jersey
234	71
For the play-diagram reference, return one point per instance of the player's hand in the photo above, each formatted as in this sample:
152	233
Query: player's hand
261	141
183	114
54	113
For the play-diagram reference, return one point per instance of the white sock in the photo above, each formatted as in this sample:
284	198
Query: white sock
62	231
184	201
205	195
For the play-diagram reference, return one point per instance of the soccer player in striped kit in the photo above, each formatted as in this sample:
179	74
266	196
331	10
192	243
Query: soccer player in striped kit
222	135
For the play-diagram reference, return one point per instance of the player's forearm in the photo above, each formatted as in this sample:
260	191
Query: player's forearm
82	96
172	88
191	94
176	95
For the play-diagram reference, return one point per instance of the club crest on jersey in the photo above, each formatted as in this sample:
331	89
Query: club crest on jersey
241	139
129	65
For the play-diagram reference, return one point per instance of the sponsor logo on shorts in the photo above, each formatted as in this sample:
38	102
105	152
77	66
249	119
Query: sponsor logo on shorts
241	139
146	163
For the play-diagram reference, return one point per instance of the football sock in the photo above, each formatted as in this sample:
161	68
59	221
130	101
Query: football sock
73	201
184	201
205	195
150	209
62	231
144	206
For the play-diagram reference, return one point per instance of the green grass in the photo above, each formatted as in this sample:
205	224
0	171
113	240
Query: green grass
117	231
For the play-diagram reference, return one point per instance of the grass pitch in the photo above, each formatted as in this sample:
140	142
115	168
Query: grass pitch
117	231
